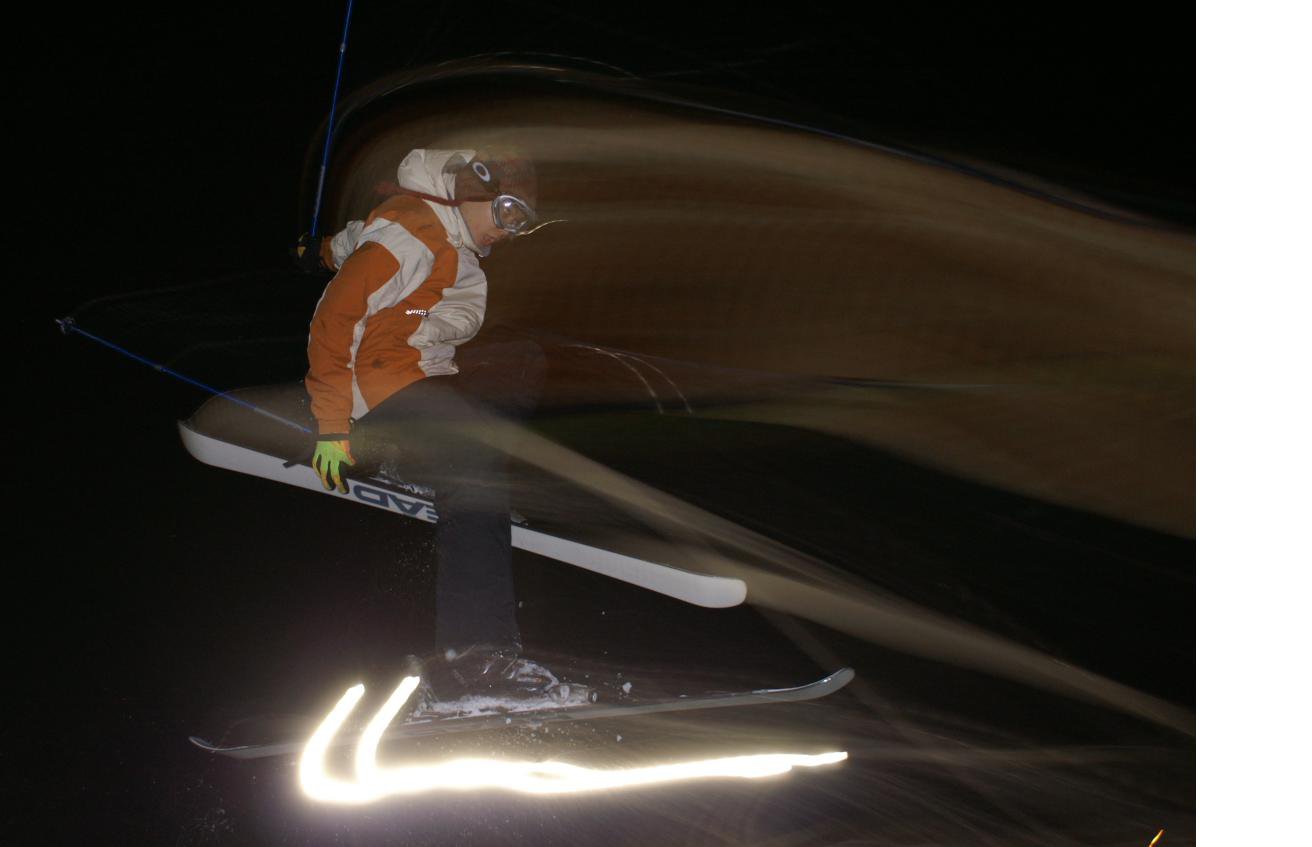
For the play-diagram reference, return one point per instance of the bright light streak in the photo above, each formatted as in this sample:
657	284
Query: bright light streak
1156	837
314	781
366	753
373	782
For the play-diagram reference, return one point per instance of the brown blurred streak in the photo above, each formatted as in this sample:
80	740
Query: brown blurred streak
1046	350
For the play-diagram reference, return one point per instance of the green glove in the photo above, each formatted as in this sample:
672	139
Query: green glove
327	462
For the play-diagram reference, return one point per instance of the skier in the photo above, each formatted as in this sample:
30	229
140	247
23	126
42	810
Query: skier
384	379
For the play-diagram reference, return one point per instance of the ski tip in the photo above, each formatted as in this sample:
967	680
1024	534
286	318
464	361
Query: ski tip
840	678
203	744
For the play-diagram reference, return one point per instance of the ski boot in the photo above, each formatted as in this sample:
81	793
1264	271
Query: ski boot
486	678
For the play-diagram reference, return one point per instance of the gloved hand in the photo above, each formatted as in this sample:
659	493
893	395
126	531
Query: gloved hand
329	453
305	254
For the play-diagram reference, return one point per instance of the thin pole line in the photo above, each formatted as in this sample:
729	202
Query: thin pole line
67	325
332	117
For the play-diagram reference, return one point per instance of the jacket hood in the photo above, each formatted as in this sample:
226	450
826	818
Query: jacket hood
433	171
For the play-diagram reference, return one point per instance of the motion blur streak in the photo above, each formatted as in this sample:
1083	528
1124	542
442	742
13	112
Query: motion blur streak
314	781
374	783
366	752
978	321
785	579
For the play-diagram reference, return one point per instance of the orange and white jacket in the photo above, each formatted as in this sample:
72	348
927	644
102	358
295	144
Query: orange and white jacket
407	291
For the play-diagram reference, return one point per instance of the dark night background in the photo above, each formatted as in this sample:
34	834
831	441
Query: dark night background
168	146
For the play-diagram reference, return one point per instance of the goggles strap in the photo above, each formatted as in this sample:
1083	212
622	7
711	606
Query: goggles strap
387	189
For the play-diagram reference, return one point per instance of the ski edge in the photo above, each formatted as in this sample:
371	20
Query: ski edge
822	687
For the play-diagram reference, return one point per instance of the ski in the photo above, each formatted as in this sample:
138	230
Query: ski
433	726
697	588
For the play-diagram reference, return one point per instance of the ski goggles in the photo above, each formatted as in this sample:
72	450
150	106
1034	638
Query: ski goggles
513	215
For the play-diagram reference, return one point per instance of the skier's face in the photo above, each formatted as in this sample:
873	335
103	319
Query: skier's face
478	216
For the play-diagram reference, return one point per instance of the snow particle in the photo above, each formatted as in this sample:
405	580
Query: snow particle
627	687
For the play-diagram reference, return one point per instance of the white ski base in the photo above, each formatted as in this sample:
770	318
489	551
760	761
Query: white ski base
698	589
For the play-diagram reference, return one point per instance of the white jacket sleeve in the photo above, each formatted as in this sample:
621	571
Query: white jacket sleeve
458	316
343	244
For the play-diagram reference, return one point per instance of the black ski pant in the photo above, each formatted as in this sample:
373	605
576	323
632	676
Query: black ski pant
447	433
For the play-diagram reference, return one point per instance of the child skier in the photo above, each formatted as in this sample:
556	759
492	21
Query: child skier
383	374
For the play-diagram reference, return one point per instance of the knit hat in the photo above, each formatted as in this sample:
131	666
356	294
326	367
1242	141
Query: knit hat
492	173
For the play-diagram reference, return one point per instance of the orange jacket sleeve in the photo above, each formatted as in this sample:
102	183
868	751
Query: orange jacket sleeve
332	334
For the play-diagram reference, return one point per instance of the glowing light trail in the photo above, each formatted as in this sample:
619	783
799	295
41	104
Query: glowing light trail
374	783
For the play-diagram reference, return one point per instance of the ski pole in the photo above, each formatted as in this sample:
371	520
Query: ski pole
332	117
67	325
